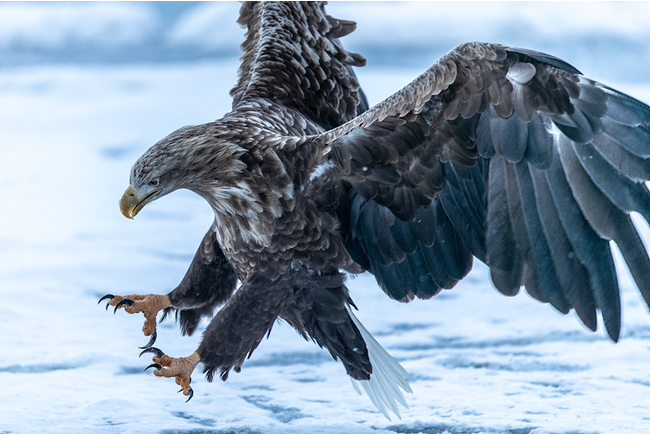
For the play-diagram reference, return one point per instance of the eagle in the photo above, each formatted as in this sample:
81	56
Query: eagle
503	154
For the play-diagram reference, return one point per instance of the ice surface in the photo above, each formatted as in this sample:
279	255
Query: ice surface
479	362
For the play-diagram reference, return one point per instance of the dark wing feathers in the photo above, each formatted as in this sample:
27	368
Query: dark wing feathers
626	163
546	58
456	257
292	56
591	250
539	146
391	164
463	200
443	112
412	258
505	259
526	165
573	276
509	136
540	251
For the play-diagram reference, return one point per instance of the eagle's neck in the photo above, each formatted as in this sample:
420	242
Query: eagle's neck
237	235
243	238
248	215
240	217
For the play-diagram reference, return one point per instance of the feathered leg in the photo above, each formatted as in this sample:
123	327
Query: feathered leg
240	325
233	334
319	310
209	282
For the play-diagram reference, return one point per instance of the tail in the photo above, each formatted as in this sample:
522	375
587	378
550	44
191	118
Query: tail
387	375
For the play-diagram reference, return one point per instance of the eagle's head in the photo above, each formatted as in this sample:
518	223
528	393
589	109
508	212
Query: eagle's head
198	158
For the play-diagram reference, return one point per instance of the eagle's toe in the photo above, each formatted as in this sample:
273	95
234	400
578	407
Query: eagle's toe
180	368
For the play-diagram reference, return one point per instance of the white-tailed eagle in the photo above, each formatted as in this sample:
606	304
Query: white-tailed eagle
503	154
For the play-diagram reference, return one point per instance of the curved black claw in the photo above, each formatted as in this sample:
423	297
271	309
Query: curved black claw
107	296
152	340
154	350
124	301
191	394
154	365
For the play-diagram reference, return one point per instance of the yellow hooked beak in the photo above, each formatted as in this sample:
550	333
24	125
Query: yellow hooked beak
131	203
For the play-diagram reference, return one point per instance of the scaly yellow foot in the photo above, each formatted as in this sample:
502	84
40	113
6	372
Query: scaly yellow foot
149	305
180	368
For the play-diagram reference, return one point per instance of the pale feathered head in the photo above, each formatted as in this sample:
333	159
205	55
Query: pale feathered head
197	158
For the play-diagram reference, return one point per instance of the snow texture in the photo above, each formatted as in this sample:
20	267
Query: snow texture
479	362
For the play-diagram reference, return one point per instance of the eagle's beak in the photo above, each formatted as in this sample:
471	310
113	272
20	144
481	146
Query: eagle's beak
131	203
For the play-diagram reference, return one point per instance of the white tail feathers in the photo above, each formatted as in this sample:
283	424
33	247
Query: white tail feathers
387	375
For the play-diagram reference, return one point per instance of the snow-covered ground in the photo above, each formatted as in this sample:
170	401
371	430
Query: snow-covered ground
479	362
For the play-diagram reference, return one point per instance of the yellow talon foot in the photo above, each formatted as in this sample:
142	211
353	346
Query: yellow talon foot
149	305
180	368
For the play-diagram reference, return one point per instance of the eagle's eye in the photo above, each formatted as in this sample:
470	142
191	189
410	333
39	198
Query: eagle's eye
154	182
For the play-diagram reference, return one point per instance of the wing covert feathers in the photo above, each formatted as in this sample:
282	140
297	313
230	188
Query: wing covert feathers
559	162
388	376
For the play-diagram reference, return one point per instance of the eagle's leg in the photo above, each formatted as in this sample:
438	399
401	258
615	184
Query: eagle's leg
180	368
320	310
149	305
238	328
209	282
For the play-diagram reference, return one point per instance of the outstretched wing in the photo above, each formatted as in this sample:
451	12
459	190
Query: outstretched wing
563	160
293	57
